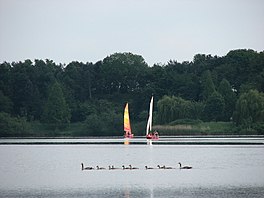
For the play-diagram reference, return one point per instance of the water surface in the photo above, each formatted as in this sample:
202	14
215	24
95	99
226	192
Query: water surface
55	171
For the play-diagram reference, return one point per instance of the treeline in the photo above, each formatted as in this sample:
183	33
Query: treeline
55	96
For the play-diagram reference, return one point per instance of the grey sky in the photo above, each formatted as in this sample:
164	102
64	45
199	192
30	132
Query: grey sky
159	30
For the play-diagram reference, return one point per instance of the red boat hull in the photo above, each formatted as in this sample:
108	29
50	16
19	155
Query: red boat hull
152	137
129	136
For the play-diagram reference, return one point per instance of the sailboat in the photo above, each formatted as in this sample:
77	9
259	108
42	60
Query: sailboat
127	127
149	134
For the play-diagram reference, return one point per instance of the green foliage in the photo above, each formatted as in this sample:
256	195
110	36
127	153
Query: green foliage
122	73
79	78
208	87
249	108
6	104
126	77
185	121
104	120
196	127
173	108
56	110
229	97
11	126
5	79
214	107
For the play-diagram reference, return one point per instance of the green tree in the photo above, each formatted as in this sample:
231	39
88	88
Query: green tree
56	111
242	66
214	107
173	108
6	79
104	120
165	110
122	73
249	108
208	86
179	81
6	104
13	126
78	78
229	96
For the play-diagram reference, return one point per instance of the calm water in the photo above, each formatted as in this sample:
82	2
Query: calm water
167	140
55	171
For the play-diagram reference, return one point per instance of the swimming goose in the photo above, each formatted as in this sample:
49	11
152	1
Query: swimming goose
148	167
161	167
125	167
113	168
167	167
130	167
100	168
86	168
184	167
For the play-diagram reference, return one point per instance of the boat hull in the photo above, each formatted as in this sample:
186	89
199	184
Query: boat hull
129	135
152	137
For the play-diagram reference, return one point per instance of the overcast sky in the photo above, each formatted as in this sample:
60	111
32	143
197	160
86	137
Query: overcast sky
159	30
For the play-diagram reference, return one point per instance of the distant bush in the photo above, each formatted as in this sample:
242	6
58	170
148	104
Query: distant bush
195	127
13	126
259	128
185	121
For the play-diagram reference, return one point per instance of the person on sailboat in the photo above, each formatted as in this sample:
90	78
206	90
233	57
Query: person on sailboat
156	134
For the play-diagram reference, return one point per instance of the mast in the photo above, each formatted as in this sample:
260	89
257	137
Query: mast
149	124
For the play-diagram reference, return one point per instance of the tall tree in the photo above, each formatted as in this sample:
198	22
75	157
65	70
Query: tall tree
214	107
229	96
208	86
123	72
173	108
5	79
249	108
56	111
6	104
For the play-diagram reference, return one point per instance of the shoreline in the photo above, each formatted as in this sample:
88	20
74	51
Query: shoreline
138	140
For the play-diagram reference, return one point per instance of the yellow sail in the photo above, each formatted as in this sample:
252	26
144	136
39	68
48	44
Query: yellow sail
127	127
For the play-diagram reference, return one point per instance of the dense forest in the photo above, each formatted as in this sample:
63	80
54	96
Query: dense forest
42	98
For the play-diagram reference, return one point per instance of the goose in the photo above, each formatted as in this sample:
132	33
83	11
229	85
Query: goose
125	167
86	168
184	167
130	167
100	168
161	167
148	167
167	167
113	168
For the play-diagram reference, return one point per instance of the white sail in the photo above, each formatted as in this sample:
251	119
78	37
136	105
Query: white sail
149	124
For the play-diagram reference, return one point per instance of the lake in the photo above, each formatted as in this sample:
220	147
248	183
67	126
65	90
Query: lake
55	170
